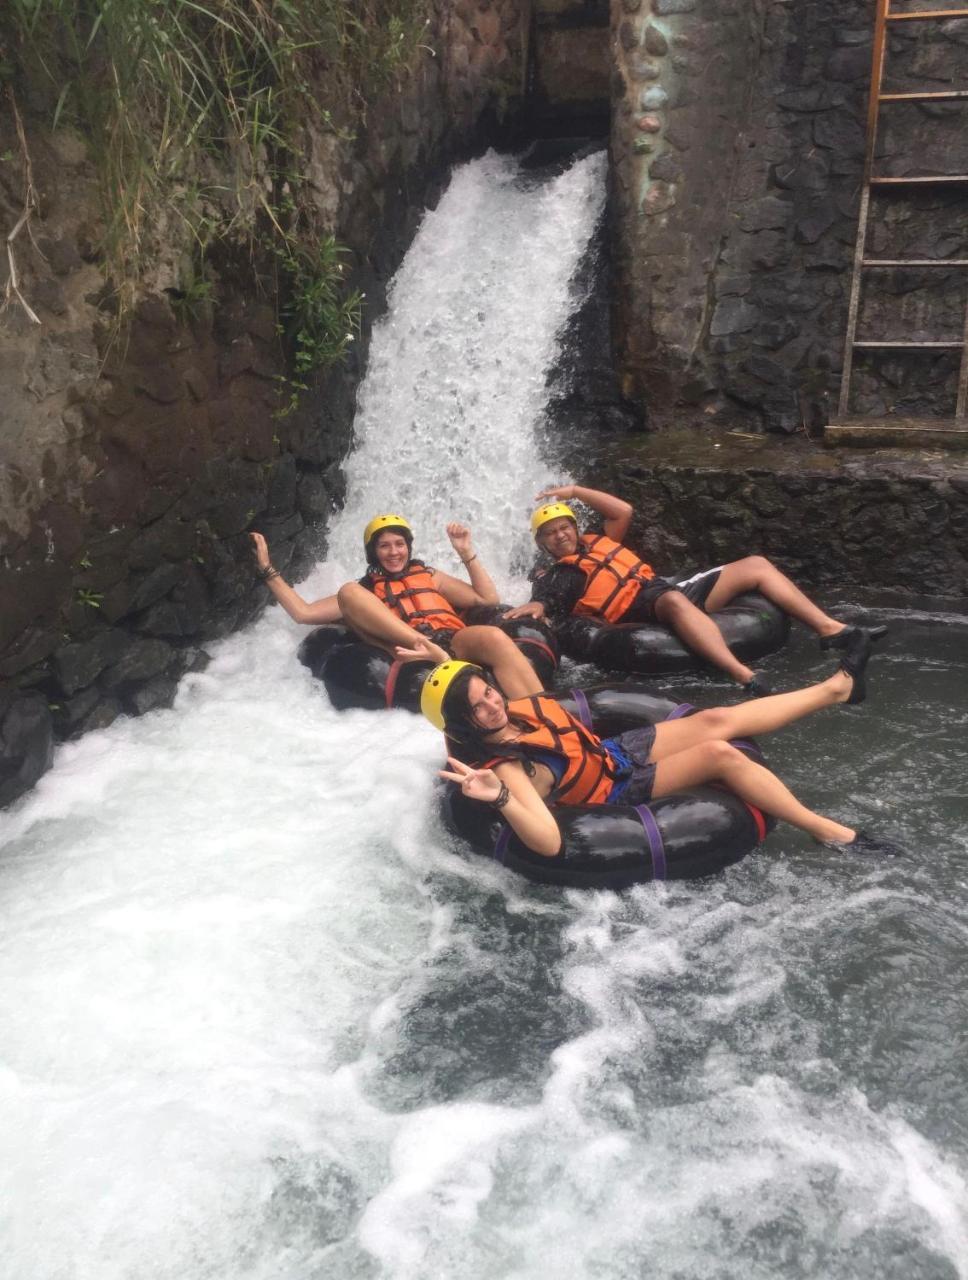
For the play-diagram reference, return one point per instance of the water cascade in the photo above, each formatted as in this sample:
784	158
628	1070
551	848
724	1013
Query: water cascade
258	1019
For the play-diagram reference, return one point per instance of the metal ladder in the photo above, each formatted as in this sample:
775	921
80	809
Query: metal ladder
853	430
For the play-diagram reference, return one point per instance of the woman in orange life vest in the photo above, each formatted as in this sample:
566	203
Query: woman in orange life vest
530	752
597	577
399	595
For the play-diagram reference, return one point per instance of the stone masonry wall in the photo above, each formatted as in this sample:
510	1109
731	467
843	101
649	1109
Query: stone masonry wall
738	145
828	519
131	471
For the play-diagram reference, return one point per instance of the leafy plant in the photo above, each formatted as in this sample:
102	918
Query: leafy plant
188	301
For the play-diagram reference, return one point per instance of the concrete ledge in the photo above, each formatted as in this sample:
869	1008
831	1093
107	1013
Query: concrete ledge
886	518
905	433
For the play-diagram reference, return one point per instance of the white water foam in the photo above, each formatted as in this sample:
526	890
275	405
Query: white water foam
208	912
449	413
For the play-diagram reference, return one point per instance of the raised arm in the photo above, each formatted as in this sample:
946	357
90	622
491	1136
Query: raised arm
481	589
511	789
616	513
311	612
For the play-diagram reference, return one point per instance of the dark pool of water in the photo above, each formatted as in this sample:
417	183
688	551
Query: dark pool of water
761	1074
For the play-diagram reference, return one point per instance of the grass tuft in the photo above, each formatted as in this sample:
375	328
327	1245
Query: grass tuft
194	112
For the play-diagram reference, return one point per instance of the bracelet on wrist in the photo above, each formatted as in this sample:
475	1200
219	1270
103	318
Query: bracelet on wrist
471	559
265	572
503	796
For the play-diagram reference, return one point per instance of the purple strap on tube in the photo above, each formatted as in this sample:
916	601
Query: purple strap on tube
584	711
501	843
681	710
654	835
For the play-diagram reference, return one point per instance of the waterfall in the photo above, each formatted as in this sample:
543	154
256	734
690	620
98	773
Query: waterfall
208	913
450	411
261	1020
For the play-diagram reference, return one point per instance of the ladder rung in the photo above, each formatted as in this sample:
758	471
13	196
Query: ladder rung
927	13
915	262
914	346
922	180
938	96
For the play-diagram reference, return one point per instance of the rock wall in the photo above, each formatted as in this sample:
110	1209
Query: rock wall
131	470
895	520
738	146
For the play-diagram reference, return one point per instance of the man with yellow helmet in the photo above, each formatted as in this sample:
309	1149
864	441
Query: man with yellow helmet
399	596
594	575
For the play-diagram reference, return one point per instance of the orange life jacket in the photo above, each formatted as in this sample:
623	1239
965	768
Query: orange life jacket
589	770
414	597
614	576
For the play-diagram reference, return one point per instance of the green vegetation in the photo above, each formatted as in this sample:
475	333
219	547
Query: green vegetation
321	317
194	110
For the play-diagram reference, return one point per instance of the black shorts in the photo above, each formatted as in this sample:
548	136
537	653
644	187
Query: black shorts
696	590
443	637
642	608
698	587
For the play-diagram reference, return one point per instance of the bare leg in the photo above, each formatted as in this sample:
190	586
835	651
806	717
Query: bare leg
377	625
492	648
371	619
719	762
756	573
698	632
762	716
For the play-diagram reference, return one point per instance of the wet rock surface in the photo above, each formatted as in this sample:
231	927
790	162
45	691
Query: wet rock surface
26	742
132	470
886	518
750	167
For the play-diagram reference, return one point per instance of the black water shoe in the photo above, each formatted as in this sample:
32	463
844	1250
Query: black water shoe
866	842
854	663
757	687
850	635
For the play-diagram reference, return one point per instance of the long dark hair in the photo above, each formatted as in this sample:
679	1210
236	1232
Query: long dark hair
466	740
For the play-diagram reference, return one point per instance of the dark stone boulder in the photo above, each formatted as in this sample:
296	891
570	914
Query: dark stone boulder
733	315
839	132
170	538
815	216
78	665
766	214
143	659
157	693
26	743
848	64
655	42
802	173
171	619
156	585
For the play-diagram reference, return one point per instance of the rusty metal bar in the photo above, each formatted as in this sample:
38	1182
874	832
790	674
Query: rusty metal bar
943	95
927	13
922	180
915	262
873	102
874	343
961	407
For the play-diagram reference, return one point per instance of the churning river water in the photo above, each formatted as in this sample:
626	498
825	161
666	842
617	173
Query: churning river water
259	1019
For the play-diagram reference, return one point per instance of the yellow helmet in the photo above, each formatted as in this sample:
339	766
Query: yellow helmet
551	511
437	684
379	523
